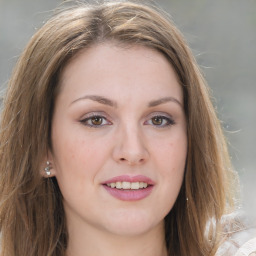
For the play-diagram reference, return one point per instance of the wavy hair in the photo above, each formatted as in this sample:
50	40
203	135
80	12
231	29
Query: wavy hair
32	218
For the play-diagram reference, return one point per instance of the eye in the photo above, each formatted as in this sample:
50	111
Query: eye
95	121
160	121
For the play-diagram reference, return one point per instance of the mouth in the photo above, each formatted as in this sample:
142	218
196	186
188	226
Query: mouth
127	188
128	185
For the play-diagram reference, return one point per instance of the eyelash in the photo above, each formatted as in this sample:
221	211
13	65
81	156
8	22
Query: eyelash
168	121
88	121
104	121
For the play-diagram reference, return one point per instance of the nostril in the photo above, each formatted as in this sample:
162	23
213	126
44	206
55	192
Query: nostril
131	161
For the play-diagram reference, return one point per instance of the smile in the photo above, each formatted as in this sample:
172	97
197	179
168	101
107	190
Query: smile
128	188
127	185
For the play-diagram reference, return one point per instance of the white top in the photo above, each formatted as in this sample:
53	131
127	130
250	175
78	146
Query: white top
248	249
241	236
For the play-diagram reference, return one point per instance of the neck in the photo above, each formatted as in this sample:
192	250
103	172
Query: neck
91	241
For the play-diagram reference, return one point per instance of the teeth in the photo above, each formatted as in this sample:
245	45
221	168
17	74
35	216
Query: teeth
135	185
118	185
127	185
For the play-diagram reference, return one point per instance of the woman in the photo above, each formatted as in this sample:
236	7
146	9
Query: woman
109	141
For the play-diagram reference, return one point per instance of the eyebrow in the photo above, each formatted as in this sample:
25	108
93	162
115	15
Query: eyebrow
111	103
98	99
164	100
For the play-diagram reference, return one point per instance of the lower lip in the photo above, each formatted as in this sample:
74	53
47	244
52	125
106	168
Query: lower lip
129	194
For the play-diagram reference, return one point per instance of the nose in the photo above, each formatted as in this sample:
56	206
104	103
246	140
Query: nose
130	147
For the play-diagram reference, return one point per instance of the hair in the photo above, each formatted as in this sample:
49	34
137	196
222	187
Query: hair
32	217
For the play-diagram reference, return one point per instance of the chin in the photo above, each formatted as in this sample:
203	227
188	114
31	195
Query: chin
133	223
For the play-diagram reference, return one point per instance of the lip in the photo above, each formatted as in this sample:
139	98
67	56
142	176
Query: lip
129	194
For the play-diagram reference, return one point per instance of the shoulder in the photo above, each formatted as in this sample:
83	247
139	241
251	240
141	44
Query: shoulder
239	236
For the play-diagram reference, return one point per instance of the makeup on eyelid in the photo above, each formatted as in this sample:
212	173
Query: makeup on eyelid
98	120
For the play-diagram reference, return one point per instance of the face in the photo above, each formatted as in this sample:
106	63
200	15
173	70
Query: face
119	139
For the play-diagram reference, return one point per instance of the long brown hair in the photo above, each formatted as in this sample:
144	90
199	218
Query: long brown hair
32	218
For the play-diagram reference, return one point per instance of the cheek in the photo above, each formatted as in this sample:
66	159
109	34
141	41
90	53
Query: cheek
173	172
173	154
78	157
75	167
171	163
71	147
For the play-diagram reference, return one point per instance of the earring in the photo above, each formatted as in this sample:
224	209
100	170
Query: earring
47	169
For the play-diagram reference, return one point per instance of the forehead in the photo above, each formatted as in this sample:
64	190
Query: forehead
108	67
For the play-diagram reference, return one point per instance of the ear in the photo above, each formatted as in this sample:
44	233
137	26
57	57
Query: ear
47	167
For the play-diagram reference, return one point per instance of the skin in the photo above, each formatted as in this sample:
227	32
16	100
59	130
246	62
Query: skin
137	84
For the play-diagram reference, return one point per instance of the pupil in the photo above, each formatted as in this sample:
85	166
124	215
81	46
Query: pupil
157	120
97	120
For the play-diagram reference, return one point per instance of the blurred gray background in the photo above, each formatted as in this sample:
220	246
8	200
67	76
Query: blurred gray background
222	35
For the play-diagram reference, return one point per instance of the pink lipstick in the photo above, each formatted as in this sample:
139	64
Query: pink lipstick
129	188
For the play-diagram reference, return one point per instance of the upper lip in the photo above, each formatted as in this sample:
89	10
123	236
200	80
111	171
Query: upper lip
128	178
